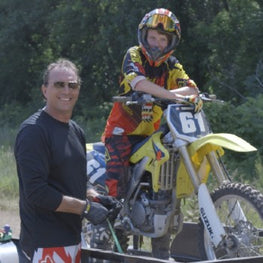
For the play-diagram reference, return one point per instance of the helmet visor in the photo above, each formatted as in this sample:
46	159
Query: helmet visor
166	22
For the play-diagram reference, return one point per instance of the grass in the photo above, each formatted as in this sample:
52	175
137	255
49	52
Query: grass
8	204
8	174
8	182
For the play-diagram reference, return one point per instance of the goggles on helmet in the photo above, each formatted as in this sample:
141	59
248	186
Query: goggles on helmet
166	22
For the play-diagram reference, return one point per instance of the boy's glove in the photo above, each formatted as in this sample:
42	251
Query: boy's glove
111	203
95	212
196	101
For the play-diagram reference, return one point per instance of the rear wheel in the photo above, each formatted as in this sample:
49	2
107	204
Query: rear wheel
240	209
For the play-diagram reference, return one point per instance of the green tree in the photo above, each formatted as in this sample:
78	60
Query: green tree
234	49
23	35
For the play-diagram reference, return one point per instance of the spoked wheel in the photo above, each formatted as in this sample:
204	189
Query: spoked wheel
240	209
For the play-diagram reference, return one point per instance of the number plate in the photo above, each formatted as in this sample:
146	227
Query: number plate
186	124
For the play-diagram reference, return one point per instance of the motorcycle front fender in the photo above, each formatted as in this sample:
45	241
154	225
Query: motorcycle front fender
224	140
199	149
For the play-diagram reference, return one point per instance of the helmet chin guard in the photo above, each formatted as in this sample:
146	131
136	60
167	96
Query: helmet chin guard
166	23
155	52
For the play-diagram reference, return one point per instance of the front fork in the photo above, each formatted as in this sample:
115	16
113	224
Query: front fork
206	206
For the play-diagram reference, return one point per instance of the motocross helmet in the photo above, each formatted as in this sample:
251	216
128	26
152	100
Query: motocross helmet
165	22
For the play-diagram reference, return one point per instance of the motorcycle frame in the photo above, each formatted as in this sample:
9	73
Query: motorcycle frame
153	166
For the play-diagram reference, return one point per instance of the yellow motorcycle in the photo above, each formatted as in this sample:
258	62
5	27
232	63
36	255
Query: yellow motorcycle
174	163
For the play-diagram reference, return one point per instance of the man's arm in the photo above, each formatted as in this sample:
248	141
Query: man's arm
71	205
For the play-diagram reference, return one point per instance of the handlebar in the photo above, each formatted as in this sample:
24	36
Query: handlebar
142	98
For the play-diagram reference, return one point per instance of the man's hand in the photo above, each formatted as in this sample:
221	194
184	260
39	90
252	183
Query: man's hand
108	201
196	101
112	204
95	212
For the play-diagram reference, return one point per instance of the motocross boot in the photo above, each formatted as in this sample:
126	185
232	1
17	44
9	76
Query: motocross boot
123	240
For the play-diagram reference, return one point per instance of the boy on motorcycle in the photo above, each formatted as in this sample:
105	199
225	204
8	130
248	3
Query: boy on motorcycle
148	68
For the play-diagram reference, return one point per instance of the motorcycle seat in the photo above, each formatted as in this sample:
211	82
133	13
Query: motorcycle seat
96	146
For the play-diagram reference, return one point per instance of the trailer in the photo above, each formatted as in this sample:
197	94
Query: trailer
184	248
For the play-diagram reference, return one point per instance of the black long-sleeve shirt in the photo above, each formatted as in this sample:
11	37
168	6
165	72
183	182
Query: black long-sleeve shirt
51	162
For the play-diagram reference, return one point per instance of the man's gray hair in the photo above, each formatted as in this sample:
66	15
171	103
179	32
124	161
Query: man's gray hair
60	63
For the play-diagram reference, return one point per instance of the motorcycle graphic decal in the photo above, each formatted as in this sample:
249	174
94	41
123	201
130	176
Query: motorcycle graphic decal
158	152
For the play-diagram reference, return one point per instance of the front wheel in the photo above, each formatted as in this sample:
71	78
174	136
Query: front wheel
240	210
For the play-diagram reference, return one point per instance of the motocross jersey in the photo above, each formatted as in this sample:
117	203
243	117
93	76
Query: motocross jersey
136	119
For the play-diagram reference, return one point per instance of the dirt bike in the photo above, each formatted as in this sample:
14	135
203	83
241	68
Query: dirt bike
174	163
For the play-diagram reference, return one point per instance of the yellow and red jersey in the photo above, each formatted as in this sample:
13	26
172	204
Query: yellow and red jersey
137	119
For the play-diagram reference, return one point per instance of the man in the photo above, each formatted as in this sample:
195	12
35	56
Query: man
148	68
51	165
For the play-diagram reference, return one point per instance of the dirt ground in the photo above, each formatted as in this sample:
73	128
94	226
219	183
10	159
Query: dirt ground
9	214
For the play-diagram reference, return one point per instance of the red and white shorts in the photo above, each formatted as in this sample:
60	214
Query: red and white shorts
68	254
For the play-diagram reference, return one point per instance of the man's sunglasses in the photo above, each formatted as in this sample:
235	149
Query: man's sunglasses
61	85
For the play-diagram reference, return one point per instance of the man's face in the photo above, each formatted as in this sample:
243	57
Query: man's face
61	93
157	40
